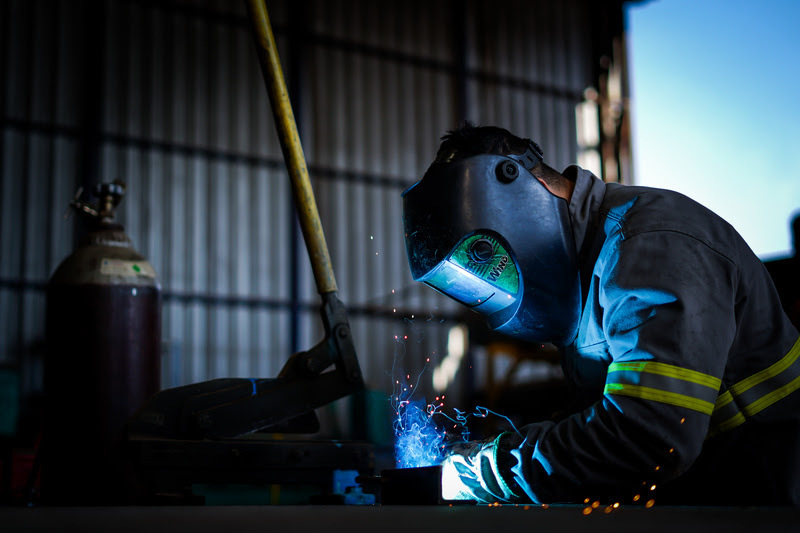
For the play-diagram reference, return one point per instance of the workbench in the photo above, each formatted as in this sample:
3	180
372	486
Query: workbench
406	519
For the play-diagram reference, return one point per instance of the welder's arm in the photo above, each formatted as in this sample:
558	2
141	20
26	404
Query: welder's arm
664	298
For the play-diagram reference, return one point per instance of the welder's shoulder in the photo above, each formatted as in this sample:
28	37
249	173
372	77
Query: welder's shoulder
641	210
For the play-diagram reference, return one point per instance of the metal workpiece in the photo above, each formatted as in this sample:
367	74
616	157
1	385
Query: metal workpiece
409	486
413	486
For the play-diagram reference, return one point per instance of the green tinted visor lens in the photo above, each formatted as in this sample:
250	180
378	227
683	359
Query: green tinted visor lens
480	273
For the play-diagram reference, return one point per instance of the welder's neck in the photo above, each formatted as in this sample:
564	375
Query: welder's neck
567	188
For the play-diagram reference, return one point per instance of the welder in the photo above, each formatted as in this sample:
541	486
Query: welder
669	330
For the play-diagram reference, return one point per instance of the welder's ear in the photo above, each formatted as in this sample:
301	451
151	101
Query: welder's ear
548	187
564	191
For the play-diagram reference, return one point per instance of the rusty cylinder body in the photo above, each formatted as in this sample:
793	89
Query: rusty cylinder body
103	329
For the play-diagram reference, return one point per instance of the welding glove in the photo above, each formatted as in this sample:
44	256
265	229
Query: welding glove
481	471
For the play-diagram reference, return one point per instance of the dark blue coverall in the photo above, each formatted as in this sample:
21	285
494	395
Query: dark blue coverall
686	359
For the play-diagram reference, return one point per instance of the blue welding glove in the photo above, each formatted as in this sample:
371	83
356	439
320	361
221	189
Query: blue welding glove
481	471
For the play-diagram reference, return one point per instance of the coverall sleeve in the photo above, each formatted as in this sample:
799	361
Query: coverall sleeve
666	304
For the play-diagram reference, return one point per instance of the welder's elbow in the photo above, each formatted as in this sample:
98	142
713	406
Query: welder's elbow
677	459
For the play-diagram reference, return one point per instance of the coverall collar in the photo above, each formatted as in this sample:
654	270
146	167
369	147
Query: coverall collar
584	205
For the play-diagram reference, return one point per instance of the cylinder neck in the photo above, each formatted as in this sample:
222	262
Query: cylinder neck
101	213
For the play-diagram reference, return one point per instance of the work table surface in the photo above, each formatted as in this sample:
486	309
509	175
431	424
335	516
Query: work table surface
406	519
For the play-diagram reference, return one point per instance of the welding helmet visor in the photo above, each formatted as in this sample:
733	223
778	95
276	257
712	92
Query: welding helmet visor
485	232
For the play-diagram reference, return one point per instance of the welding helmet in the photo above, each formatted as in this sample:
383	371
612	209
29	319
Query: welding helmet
485	232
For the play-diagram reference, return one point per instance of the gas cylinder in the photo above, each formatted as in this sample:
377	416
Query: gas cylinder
102	360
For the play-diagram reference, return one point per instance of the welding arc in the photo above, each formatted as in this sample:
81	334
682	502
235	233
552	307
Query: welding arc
292	150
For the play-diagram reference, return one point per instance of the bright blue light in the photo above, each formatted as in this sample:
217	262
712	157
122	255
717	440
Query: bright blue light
422	431
418	440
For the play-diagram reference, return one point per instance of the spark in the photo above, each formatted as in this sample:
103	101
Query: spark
595	504
653	487
649	503
587	510
419	441
683	420
421	438
636	498
608	509
616	504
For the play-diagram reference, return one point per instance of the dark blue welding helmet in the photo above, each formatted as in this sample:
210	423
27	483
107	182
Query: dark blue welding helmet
485	232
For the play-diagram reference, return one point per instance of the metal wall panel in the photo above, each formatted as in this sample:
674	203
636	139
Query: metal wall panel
168	97
208	202
376	128
530	77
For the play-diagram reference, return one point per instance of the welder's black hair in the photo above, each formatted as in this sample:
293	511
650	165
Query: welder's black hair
471	140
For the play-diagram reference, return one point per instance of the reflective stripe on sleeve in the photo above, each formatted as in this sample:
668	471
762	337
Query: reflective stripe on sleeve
663	383
756	393
726	415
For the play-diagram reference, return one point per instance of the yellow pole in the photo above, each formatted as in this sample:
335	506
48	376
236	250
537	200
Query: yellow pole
292	150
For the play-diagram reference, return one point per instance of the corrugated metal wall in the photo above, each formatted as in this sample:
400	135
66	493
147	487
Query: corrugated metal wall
168	97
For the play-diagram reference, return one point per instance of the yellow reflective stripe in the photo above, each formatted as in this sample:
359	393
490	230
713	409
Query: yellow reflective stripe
728	425
672	398
663	369
768	399
725	407
723	399
769	372
784	364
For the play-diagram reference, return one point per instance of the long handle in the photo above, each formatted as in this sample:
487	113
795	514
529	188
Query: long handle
292	150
